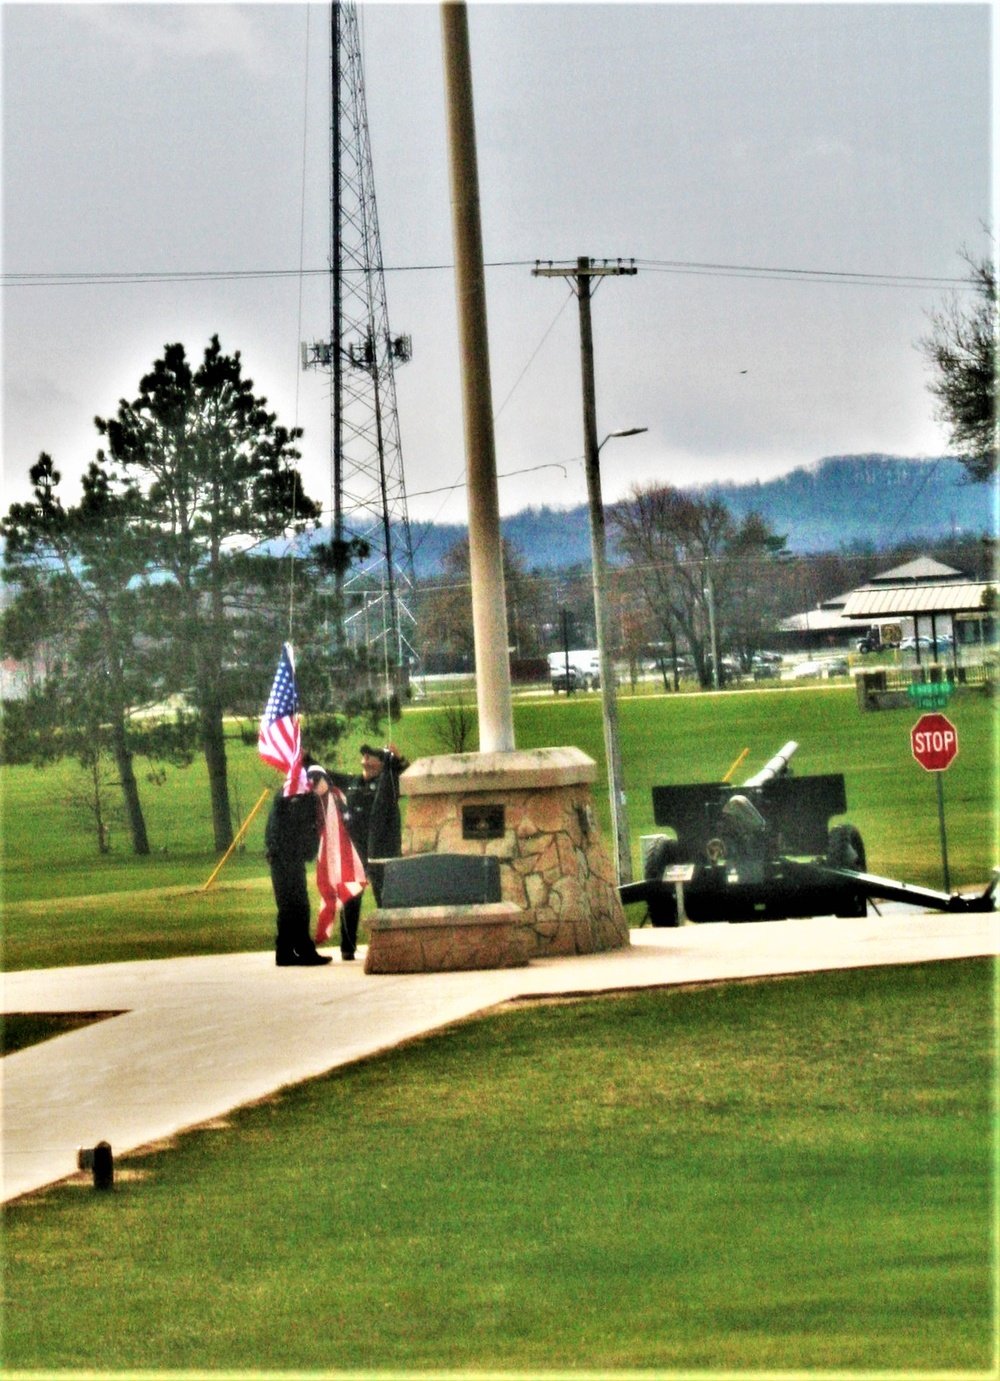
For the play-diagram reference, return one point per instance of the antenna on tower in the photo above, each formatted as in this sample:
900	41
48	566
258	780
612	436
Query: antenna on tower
367	487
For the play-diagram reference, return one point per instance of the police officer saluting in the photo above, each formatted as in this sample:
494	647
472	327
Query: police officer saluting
371	815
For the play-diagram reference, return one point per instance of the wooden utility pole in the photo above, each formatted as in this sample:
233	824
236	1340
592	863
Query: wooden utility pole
580	277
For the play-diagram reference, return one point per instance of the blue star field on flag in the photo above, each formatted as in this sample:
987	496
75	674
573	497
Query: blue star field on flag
284	697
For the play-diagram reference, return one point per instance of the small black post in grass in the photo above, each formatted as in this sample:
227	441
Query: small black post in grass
100	1161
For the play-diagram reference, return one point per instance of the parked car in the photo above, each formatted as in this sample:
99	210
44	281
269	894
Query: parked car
763	668
584	670
804	669
685	666
926	644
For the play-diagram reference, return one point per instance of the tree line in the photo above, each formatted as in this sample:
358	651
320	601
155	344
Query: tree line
684	573
687	561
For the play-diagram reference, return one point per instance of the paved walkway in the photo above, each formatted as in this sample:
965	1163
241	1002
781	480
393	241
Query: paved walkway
199	1037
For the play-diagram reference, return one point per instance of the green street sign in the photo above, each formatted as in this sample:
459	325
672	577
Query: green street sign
930	695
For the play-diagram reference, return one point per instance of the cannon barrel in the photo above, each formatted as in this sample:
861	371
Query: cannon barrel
777	765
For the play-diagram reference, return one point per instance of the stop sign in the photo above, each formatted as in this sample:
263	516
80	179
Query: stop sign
934	741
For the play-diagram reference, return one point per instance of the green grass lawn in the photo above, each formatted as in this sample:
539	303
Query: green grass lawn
18	1030
64	904
786	1175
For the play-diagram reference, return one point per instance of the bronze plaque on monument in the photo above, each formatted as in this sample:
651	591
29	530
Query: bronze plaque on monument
483	822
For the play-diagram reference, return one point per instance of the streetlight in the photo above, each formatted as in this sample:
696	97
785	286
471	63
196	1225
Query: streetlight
627	431
609	697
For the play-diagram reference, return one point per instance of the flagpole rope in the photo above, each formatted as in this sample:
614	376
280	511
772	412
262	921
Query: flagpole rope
298	331
385	662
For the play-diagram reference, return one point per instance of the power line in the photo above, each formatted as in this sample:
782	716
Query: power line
119	278
836	276
535	352
506	474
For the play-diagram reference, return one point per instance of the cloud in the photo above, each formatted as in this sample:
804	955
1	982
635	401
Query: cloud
147	33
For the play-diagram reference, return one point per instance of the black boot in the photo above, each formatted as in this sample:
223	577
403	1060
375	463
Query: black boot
312	957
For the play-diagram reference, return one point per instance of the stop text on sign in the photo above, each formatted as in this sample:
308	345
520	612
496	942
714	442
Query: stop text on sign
934	742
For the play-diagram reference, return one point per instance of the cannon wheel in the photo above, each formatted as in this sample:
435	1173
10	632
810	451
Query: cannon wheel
845	849
662	911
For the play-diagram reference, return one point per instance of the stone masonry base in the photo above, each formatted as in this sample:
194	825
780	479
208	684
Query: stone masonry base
534	812
436	939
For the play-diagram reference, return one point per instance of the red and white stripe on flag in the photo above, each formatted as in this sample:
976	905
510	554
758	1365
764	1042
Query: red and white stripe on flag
340	874
280	743
278	740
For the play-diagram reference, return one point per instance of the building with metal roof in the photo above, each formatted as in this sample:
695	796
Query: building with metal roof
874	602
922	570
910	595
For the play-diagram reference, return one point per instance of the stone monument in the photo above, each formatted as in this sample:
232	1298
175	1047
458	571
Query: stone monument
532	811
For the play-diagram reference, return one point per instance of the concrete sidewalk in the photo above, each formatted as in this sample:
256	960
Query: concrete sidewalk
199	1037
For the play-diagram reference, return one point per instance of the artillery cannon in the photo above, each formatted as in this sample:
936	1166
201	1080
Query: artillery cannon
764	851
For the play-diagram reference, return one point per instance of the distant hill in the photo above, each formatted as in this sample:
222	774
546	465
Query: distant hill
839	502
873	500
544	539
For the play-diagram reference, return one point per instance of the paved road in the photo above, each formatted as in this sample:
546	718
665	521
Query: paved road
199	1037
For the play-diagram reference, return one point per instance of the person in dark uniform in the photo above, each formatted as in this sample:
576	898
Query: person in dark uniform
371	815
291	840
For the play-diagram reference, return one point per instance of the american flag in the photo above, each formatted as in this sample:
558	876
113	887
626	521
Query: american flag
340	874
279	741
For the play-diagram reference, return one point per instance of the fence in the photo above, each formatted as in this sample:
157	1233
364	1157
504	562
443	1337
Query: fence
889	688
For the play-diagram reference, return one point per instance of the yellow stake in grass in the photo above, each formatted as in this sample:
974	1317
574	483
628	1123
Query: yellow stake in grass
736	764
242	831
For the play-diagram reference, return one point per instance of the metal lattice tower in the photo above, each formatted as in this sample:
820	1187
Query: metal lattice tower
368	493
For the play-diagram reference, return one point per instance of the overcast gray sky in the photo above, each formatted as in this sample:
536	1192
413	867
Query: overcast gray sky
837	139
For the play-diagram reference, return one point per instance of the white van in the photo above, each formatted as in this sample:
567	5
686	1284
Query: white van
584	670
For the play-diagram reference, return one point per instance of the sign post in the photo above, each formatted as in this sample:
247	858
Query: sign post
934	744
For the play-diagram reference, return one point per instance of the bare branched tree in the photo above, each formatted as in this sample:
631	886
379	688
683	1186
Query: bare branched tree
961	350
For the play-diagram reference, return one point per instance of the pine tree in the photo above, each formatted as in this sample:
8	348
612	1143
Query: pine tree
78	576
216	476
